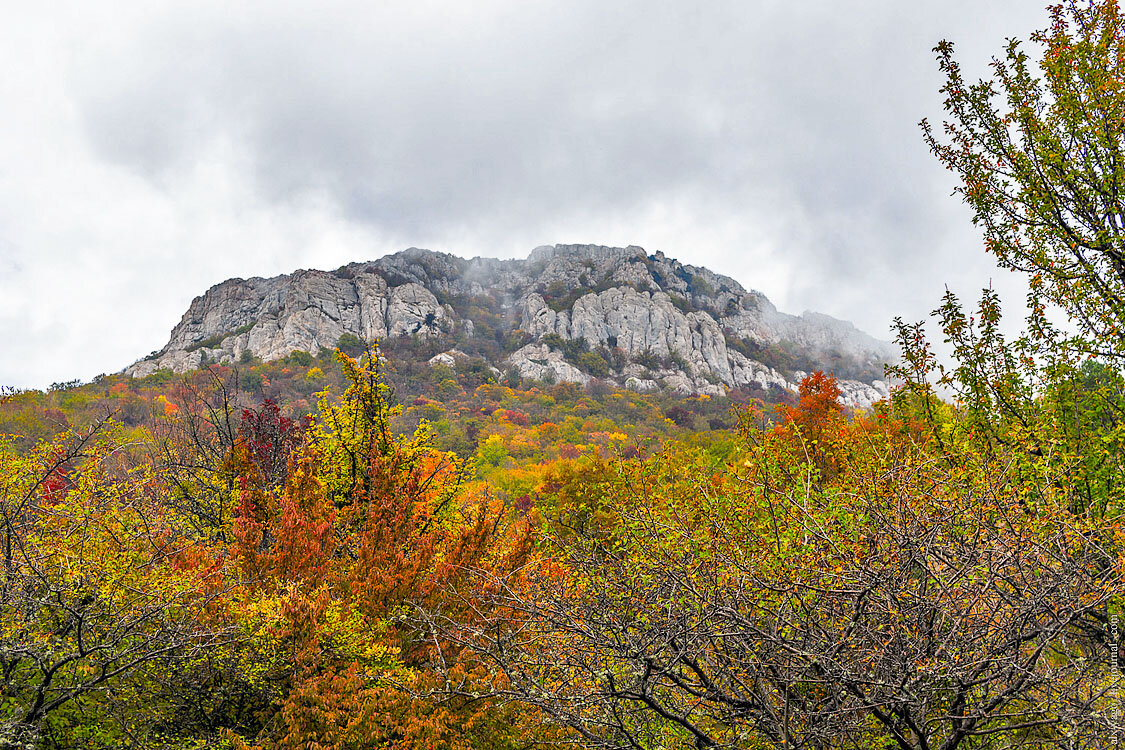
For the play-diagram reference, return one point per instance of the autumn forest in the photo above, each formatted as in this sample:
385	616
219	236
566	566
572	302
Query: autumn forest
357	549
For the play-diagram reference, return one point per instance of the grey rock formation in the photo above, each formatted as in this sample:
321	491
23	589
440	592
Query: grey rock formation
567	313
540	362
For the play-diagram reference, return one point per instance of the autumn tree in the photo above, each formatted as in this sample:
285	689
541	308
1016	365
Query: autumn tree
904	602
99	592
811	427
1038	150
192	451
347	538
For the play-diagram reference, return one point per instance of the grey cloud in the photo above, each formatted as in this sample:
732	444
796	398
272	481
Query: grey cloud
560	108
408	120
774	141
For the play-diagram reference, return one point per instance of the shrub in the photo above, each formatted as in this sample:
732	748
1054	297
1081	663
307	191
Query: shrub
350	344
492	451
681	416
249	380
554	341
699	285
593	363
300	358
648	359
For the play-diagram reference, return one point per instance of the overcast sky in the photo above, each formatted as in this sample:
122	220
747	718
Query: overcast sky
150	150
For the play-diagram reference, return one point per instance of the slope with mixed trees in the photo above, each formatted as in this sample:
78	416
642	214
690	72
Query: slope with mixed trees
928	574
568	313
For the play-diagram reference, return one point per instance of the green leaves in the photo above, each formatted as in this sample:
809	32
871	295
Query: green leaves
98	589
1039	152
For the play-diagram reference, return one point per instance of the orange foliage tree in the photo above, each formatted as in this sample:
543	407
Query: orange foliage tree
339	555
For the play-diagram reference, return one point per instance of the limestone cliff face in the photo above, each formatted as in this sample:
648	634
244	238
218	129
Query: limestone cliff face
566	313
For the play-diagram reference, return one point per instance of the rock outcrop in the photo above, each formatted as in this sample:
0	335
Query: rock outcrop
568	313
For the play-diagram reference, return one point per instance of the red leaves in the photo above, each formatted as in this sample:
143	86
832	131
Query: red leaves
819	405
814	431
56	482
266	440
286	534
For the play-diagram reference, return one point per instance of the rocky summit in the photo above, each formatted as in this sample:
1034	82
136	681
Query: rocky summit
566	313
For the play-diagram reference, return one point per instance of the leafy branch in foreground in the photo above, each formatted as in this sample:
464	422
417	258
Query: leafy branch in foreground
1038	149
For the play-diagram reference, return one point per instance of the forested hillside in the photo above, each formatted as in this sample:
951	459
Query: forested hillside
349	550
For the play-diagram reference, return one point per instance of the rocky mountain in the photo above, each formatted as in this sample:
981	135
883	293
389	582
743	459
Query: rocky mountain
566	313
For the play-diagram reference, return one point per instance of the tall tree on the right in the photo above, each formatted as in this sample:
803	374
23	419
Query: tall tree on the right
1039	151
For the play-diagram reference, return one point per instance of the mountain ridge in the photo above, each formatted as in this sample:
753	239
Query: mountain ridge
565	313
